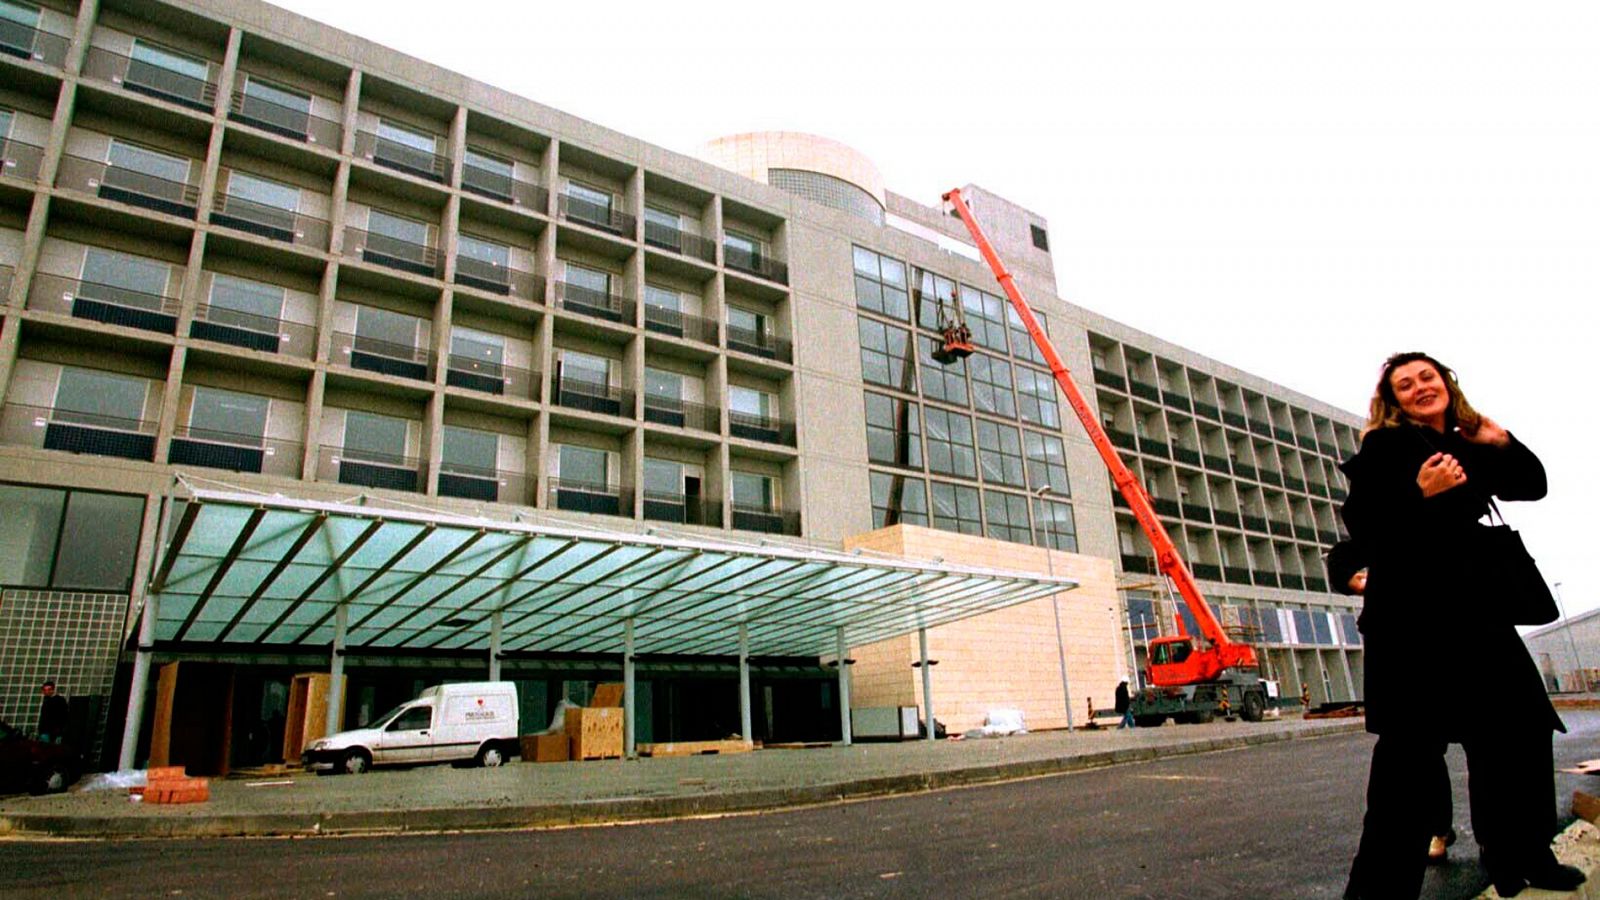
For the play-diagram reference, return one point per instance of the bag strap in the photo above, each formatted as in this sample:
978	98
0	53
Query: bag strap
1494	512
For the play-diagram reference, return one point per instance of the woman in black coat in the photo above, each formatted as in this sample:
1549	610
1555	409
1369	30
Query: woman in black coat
1442	663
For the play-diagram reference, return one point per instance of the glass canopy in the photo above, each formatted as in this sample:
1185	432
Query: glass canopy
248	569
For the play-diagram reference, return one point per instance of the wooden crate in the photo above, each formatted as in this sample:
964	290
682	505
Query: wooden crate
544	747
695	748
608	694
594	732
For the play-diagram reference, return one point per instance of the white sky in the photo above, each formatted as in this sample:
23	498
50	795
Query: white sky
1295	189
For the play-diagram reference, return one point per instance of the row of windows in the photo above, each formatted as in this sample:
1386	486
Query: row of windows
998	386
68	540
1256	624
898	431
882	287
1000	515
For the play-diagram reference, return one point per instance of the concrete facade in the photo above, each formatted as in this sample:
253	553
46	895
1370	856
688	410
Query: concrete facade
1568	652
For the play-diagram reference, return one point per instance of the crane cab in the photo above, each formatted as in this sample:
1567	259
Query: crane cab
1173	661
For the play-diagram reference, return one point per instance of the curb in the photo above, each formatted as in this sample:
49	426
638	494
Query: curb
616	810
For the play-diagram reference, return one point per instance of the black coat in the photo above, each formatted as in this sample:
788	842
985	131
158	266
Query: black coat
1439	662
1122	697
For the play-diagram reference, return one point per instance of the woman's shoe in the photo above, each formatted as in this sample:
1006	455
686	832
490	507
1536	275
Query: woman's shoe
1553	876
1507	879
1438	850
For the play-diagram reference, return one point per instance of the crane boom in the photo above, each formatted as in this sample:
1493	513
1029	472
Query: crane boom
1224	653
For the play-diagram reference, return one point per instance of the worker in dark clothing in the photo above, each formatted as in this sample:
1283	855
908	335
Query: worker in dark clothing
1124	707
52	714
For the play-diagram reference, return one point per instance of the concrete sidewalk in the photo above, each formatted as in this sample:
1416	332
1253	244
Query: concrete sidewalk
522	795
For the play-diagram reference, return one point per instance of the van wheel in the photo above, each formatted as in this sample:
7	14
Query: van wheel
356	762
491	756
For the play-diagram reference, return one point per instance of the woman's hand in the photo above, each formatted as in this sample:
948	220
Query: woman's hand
1441	473
1488	433
1358	582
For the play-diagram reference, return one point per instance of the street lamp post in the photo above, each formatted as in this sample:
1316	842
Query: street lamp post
1583	677
1055	607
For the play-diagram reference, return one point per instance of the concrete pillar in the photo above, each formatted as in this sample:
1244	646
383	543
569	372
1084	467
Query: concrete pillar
341	621
152	542
844	689
494	646
628	750
744	682
927	684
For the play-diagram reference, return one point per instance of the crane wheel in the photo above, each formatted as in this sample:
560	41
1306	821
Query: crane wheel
1150	721
1254	707
1202	717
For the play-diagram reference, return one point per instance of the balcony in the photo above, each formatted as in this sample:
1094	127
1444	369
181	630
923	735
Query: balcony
1254	522
1294	484
1283	434
402	157
504	188
681	509
1195	512
1225	517
272	222
766	520
1185	455
152	80
484	485
103	303
767	346
603	216
1241	470
1122	439
494	278
284	121
1208	411
35	44
592	396
1216	463
234	452
1259	427
1264	578
392	252
672	323
1292	582
1107	379
1207	571
1270	476
52	428
682	414
1313	583
1153	447
1327	536
253	332
767	429
1280	528
1176	401
586	497
365	468
130	186
1317	487
1132	562
384	357
759	264
1306	442
1147	391
586	301
489	377
680	242
1235	575
1305	533
1237	420
19	160
1165	507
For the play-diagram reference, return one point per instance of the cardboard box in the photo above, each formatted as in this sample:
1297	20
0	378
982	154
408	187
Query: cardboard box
595	732
544	747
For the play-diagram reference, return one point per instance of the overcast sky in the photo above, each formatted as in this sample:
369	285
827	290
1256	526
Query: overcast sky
1294	189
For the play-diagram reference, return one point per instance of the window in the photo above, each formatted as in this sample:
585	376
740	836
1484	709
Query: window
370	436
941	381
487	173
477	352
754	492
265	191
748	327
1040	238
469	450
885	355
1022	344
1008	517
950	443
414	719
955	508
276	105
6	115
985	315
123	280
583	465
898	500
585	367
243	303
490	254
664	388
593	285
398	228
894	431
99	538
991	385
153	163
1047	463
100	399
1054	525
407	136
663	477
28	533
1036	398
741	251
663	298
1000	453
751	402
662	227
165	71
228	417
881	284
386	333
932	290
587	203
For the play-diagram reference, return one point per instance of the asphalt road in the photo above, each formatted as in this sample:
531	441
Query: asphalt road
1278	820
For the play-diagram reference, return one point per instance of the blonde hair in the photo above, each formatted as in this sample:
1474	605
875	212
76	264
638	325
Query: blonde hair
1385	411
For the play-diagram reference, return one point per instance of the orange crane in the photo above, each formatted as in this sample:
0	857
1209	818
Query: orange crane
1189	679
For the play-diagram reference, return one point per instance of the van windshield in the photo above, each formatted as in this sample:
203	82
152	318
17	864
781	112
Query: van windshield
383	720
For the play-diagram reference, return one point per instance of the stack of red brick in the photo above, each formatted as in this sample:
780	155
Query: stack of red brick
170	784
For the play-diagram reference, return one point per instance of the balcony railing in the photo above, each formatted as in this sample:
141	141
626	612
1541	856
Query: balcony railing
679	241
1176	400
1195	512
1294	484
587	301
767	429
1208	571
681	509
1317	487
1327	536
1216	463
253	332
1147	391
1280	528
1264	578
103	303
1306	442
55	428
1235	575
767	520
27	42
1292	582
1133	562
19	160
486	485
1110	380
1314	583
492	378
383	357
760	264
1237	420
1254	522
755	343
1258	427
605	217
269	221
1305	533
1153	447
592	396
285	121
1226	517
1206	409
682	414
1185	455
1270	476
676	324
234	452
402	157
395	253
1122	439
365	468
153	80
494	278
1165	507
1244	470
586	497
504	188
130	186
1283	434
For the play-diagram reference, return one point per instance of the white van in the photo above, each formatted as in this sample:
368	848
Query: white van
448	723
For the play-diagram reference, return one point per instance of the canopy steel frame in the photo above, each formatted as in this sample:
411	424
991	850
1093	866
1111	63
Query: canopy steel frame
278	568
366	535
223	566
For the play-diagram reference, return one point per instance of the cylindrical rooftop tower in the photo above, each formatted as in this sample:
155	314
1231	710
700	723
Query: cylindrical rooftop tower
817	168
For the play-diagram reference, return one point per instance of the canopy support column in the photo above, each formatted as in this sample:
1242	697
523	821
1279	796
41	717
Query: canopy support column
341	622
494	646
147	636
844	688
744	682
927	684
628	749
